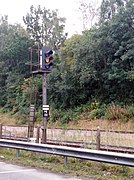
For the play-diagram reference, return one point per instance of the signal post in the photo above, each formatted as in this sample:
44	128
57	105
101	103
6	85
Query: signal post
46	66
44	102
45	62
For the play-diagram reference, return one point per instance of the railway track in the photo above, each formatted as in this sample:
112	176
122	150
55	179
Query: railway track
56	137
80	144
103	147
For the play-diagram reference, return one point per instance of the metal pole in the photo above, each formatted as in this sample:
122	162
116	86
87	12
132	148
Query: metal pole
44	102
38	134
17	153
65	160
98	139
0	131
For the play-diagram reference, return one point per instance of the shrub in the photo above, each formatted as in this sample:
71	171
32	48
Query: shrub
96	113
56	115
116	112
129	113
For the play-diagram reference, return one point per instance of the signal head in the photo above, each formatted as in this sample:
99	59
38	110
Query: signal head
47	58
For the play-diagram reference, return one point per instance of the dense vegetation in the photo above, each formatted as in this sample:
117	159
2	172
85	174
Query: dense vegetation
95	68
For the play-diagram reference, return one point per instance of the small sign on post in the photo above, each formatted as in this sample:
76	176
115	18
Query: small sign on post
46	111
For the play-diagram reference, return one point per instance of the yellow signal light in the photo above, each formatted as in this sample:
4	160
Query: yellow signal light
47	60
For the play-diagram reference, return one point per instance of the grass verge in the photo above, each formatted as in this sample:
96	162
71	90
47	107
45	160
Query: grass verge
75	167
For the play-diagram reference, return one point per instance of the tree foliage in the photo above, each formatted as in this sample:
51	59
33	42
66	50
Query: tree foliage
45	27
13	56
89	12
98	64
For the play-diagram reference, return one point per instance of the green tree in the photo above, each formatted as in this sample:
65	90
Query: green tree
89	12
13	56
45	27
109	8
97	64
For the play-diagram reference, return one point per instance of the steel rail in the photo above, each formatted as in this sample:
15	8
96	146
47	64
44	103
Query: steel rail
93	155
80	129
79	144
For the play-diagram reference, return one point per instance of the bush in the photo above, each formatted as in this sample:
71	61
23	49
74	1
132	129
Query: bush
96	113
117	112
129	113
55	114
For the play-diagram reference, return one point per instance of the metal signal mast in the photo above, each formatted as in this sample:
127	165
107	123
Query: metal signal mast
42	65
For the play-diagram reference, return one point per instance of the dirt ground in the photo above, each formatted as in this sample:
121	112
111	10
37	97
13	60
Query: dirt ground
103	124
94	124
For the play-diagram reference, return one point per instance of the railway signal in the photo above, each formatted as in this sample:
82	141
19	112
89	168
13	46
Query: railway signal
47	59
44	66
